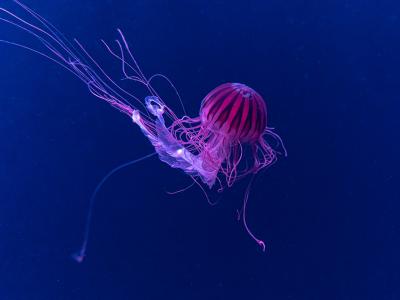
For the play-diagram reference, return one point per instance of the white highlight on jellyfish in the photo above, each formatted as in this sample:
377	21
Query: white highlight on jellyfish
179	152
136	116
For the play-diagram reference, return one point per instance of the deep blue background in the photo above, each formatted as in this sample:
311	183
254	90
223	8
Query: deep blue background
329	71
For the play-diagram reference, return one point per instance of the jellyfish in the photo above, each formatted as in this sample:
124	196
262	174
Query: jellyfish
228	141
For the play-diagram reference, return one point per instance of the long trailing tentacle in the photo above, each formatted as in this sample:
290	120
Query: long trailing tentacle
243	213
80	255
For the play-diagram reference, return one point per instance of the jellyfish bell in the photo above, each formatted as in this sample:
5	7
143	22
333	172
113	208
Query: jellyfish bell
234	111
235	116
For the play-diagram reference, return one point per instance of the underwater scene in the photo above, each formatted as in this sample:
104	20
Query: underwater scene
165	149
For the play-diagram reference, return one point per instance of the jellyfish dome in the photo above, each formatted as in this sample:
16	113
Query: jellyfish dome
234	111
234	116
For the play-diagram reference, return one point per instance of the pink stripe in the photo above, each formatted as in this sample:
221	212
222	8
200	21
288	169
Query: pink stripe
243	119
232	113
228	100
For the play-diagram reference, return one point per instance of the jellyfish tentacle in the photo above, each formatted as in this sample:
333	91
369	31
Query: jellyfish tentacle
181	190
80	255
168	147
243	211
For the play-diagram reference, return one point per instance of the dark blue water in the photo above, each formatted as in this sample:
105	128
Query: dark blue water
329	212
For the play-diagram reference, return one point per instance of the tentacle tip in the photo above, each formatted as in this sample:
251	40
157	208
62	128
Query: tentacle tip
262	244
78	256
238	213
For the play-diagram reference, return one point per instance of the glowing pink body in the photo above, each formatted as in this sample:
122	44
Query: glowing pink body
232	117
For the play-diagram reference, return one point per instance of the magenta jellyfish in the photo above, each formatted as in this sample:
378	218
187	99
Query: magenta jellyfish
228	141
211	146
